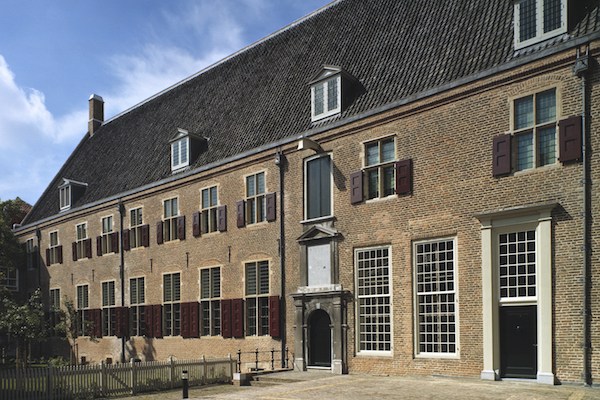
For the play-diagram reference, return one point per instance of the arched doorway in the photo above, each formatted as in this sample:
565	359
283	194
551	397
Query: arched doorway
319	339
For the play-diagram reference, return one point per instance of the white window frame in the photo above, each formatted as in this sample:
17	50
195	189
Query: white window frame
82	306
256	204
172	306
135	230
379	166
331	193
53	248
137	306
65	196
540	35
210	217
176	147
259	299
359	297
81	240
105	240
109	310
210	303
170	222
325	84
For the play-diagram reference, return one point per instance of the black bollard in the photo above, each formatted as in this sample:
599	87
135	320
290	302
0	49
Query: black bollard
184	379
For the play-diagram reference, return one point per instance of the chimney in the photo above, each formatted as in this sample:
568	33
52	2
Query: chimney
96	114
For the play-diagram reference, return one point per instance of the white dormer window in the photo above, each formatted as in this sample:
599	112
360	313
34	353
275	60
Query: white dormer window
538	20
180	156
326	93
69	192
185	148
65	197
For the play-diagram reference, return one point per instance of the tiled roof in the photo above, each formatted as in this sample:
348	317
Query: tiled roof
395	48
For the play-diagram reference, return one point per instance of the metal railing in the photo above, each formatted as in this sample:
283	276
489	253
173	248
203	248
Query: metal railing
260	360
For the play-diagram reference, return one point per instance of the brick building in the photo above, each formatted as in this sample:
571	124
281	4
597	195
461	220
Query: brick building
382	186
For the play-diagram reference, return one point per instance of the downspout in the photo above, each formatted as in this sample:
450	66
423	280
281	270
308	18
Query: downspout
38	234
280	162
581	68
122	273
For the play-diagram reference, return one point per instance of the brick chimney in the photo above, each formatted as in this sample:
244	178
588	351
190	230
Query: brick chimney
96	114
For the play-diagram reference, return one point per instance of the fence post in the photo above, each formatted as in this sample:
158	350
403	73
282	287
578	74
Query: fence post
49	390
272	359
230	366
287	365
172	371
133	375
103	378
205	369
256	362
239	362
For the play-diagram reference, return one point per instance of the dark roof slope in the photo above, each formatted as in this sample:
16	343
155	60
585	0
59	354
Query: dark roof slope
395	48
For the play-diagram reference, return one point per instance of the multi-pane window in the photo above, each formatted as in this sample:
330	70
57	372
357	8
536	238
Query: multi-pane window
435	277
9	278
171	211
535	130
171	305
135	227
374	299
255	198
379	167
257	298
210	303
180	153
81	238
326	98
82	306
54	306
517	264
136	307
53	253
536	20
210	202
30	252
109	312
317	187
107	228
65	197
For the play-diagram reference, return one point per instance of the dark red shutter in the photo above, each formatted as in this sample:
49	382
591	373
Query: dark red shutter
271	200
194	320
181	227
501	157
114	242
126	238
122	328
241	213
59	255
196	224
146	235
74	251
404	172
96	319
149	320
157	320
222	218
356	187
226	318
47	256
274	321
88	248
99	245
569	138
237	318
159	232
185	320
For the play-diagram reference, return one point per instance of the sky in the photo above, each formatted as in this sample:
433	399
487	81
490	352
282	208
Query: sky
55	54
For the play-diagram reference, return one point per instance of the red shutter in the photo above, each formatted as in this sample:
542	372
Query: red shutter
569	138
59	255
196	224
88	248
122	329
96	320
159	232
356	187
237	318
274	320
47	256
114	241
502	152
126	237
222	217
241	213
271	200
146	235
194	320
157	320
181	227
149	320
185	320
226	318
99	245
74	251
404	172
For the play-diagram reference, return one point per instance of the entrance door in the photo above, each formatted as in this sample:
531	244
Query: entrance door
319	339
518	342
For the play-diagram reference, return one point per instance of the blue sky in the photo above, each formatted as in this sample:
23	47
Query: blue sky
54	54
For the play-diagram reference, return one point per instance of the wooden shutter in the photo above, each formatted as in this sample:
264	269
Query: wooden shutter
114	241
194	320
159	232
74	251
47	256
126	238
356	187
122	329
404	172
157	320
274	320
185	320
237	318
241	213
501	155
149	320
569	138
99	245
146	235
59	255
271	200
226	318
96	320
88	248
222	218
196	224
181	227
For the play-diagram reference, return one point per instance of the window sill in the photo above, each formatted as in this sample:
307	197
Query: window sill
538	169
380	199
375	354
437	356
317	220
256	225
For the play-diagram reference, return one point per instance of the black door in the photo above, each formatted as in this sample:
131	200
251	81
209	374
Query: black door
518	341
319	339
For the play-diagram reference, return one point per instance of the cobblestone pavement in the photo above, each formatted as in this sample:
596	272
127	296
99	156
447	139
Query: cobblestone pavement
321	386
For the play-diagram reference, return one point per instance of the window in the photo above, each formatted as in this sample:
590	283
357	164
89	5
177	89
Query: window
326	98
136	301
171	305
135	228
53	256
379	167
210	303
10	278
82	309
107	228
435	274
537	20
180	154
30	252
171	212
81	240
209	209
374	299
109	312
54	307
318	187
257	298
517	264
64	193
534	128
256	204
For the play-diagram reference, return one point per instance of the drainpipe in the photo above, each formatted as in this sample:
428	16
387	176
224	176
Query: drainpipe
38	234
122	272
581	68
280	162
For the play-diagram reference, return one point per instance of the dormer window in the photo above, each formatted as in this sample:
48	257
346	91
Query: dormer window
185	147
326	93
65	197
69	192
538	20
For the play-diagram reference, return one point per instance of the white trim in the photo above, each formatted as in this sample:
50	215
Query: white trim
181	164
305	189
326	111
539	35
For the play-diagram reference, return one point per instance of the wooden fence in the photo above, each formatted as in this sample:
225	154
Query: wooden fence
89	381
